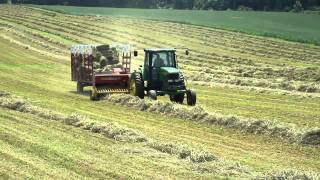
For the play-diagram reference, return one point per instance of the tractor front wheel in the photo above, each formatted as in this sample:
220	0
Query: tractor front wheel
137	86
178	98
191	98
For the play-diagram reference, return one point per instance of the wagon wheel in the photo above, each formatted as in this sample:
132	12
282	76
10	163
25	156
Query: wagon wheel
79	87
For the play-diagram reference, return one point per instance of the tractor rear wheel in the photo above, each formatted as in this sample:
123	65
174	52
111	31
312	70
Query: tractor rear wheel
79	87
178	98
137	85
191	98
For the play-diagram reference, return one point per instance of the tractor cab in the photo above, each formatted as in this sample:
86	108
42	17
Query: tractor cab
160	65
161	76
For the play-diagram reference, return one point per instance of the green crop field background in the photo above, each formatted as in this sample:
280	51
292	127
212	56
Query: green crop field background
290	26
258	98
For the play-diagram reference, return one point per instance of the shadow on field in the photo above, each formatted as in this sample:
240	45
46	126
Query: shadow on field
84	93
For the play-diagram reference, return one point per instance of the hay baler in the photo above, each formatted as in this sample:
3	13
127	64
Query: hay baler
100	67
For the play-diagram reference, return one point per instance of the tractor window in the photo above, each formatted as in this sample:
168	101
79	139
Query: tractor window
163	59
146	62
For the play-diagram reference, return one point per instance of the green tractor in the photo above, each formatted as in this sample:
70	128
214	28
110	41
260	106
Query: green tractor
160	76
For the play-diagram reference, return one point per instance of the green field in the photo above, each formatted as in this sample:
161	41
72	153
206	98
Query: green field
290	26
246	76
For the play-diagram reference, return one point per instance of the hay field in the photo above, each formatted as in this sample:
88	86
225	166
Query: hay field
34	64
275	24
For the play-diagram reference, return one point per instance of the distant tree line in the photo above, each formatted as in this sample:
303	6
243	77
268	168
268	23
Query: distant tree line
261	5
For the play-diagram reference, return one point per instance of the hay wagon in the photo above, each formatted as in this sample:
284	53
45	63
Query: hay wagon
106	68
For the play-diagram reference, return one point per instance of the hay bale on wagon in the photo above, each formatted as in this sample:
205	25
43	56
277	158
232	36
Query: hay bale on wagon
106	58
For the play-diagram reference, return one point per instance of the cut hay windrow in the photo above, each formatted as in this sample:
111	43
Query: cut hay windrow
258	89
272	128
109	130
182	152
122	134
289	174
201	161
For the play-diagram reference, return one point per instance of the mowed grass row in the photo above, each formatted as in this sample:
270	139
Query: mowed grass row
45	80
266	108
197	35
88	20
275	24
161	26
33	147
221	64
303	112
249	72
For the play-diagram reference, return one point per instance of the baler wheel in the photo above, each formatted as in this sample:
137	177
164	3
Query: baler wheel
94	97
79	87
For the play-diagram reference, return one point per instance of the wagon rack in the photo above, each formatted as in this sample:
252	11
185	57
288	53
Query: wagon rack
84	72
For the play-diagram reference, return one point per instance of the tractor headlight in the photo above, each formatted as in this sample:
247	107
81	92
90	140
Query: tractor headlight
174	80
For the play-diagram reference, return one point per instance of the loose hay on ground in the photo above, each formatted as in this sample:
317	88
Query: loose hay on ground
182	152
201	161
289	174
199	114
110	130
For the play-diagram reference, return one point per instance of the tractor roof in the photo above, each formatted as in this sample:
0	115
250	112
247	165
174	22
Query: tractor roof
159	49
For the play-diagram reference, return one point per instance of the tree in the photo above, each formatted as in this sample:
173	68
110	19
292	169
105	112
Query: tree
267	5
297	7
183	4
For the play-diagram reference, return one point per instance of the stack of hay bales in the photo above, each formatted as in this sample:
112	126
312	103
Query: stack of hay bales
106	58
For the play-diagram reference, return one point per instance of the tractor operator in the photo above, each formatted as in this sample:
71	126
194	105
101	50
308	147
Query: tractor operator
158	61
